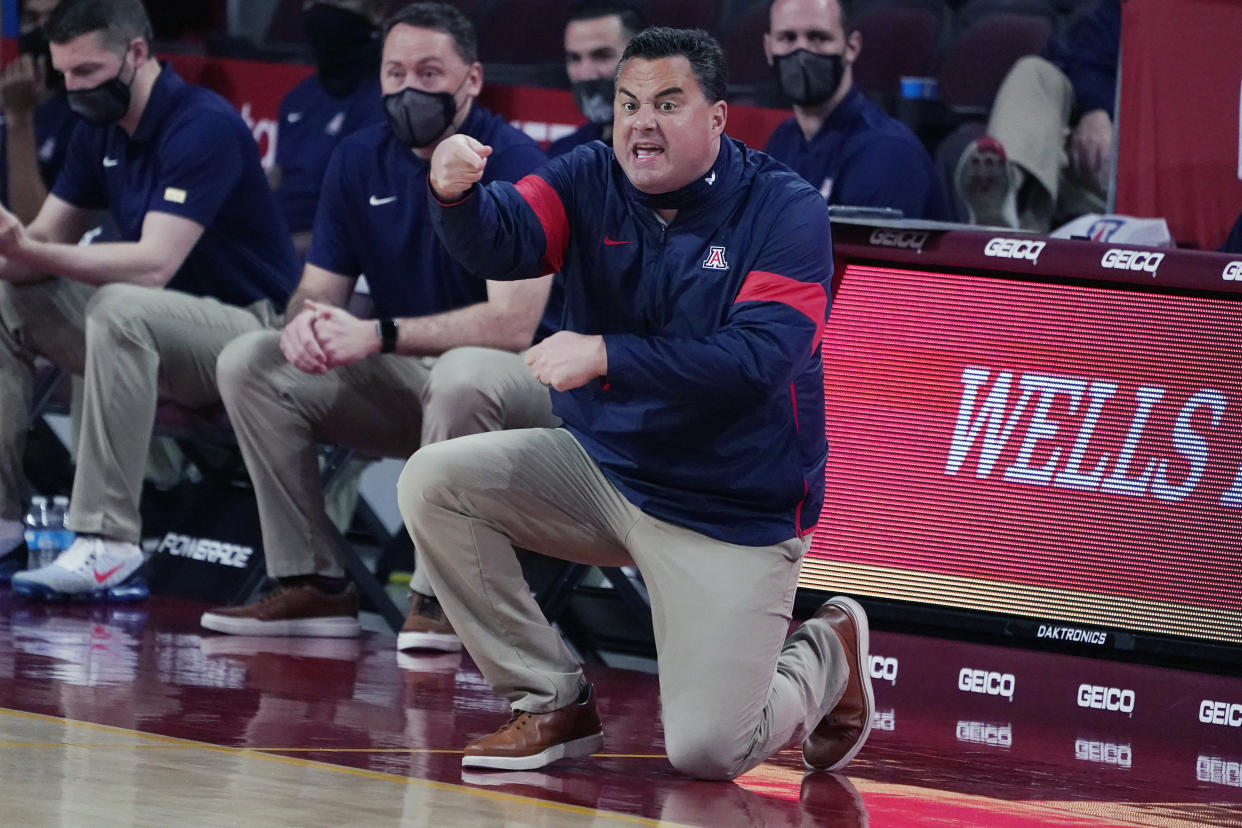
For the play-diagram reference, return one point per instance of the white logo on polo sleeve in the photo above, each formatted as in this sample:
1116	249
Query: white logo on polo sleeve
716	259
174	194
110	162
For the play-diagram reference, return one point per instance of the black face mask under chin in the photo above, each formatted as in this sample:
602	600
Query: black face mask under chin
808	78
345	46
104	104
418	118
594	99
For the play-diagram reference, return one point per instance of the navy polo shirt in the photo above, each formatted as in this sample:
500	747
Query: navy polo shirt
311	124
584	134
863	158
53	125
373	218
191	156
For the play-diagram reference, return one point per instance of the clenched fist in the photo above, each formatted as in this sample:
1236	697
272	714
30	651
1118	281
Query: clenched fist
456	166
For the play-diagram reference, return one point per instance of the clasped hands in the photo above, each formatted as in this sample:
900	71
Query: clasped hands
322	337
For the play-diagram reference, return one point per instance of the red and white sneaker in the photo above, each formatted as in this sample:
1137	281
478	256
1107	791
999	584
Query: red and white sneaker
91	565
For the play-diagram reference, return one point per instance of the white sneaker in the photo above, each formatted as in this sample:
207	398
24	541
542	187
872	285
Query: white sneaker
91	565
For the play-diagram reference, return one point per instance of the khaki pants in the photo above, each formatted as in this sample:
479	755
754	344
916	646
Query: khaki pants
132	345
385	405
731	693
1030	118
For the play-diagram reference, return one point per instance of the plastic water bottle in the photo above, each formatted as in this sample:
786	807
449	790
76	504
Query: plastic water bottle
46	535
38	538
62	535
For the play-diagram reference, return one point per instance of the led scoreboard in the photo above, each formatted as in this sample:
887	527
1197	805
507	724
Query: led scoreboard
1039	436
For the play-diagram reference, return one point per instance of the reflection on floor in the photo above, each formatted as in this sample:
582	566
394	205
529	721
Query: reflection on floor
167	724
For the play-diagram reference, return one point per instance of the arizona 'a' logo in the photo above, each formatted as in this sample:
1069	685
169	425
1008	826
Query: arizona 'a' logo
716	259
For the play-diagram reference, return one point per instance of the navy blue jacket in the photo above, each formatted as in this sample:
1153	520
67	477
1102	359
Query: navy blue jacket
863	158
1088	54
712	413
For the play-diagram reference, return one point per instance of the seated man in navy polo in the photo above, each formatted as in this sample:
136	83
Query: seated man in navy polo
341	98
203	257
841	143
596	32
441	361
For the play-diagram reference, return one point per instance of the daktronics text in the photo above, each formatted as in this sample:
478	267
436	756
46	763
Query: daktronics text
993	404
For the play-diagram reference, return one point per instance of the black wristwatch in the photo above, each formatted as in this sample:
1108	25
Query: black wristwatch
386	329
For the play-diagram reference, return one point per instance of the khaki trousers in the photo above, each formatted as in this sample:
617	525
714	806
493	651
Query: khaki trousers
132	345
1030	118
732	693
386	405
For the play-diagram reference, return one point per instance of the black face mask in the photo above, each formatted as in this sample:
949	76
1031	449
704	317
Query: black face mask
808	77
345	46
34	43
418	118
104	104
594	99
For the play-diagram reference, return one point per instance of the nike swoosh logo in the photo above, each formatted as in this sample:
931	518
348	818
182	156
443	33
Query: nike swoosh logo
711	179
294	117
100	577
611	242
377	202
110	162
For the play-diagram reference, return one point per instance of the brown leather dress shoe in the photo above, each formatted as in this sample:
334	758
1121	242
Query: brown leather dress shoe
298	609
532	740
426	628
842	732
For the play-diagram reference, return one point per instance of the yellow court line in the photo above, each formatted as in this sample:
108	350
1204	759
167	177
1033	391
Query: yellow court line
171	741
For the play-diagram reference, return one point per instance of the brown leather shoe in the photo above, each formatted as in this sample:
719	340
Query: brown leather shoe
296	609
532	740
426	628
841	733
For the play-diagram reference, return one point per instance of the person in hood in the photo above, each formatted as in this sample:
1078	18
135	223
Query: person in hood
339	99
841	143
596	33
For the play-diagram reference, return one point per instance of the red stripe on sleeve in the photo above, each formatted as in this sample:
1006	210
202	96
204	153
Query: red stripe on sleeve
807	298
551	212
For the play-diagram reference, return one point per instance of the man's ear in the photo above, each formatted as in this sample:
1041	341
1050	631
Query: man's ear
853	46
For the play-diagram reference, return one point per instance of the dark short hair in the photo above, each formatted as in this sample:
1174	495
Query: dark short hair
119	21
632	18
440	17
707	59
846	7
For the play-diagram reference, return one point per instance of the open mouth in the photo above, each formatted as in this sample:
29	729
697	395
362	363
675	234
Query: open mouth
643	152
